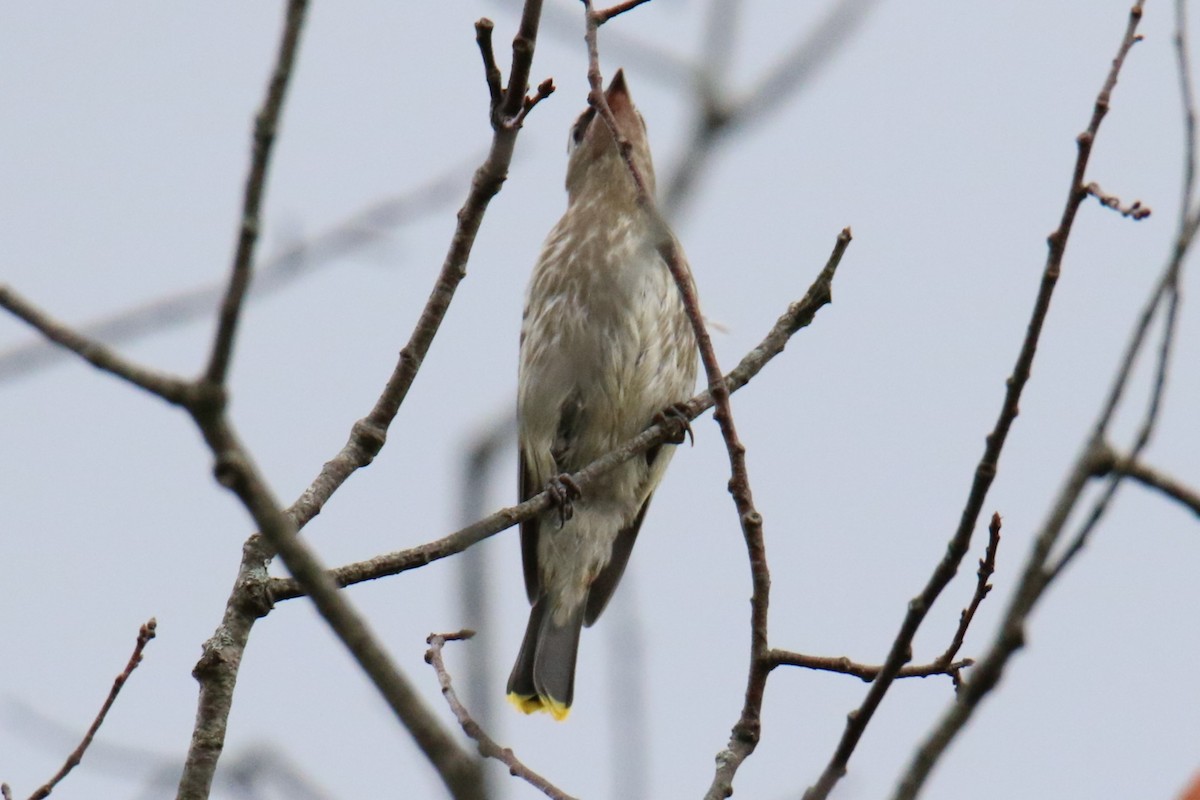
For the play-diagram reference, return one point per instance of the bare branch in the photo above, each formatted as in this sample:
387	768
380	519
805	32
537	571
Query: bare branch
620	8
174	390
800	64
656	62
1096	459
369	433
1165	295
236	472
901	649
942	665
145	634
218	666
491	70
1187	98
487	746
363	227
266	124
522	61
217	670
1151	478
867	672
987	566
798	315
544	90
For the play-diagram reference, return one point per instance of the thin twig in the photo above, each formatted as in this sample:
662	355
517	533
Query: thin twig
488	748
1135	210
985	472
1166	294
266	124
294	260
987	566
145	634
491	70
544	90
170	388
1037	573
867	672
943	664
655	61
798	315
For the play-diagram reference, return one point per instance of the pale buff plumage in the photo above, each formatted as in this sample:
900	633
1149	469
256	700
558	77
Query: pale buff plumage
605	346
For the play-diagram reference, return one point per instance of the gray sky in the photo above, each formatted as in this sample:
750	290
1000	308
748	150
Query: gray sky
942	133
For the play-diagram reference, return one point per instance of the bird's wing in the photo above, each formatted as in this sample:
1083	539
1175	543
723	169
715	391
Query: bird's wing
529	531
606	582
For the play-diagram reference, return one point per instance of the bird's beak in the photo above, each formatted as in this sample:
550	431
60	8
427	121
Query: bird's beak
617	87
619	100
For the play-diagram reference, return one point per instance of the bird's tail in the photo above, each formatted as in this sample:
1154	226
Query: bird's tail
543	679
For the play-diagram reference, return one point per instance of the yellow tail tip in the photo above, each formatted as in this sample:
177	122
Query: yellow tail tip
528	704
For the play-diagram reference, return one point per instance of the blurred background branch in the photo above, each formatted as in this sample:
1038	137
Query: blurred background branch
375	223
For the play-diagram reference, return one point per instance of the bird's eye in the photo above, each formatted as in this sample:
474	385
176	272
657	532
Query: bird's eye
580	128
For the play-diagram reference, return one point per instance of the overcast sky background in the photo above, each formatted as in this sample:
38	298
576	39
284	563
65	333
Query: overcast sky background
942	133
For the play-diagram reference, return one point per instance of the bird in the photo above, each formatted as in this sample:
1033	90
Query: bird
606	349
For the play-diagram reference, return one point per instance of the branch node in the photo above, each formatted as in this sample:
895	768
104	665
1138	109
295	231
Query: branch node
206	399
229	470
370	436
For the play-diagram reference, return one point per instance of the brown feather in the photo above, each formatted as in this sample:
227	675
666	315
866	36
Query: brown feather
606	582
529	535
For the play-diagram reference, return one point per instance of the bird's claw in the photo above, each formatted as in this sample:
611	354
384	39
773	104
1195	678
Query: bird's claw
563	492
675	418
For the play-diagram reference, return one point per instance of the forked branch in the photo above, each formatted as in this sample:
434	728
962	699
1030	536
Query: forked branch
985	472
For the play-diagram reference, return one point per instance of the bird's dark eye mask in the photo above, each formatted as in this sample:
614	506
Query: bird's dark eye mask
581	126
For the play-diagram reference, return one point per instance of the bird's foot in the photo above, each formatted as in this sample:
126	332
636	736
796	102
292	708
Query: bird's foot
563	492
675	418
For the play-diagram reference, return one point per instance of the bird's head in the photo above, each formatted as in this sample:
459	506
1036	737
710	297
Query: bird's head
596	165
